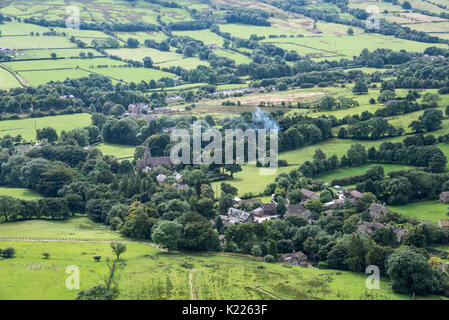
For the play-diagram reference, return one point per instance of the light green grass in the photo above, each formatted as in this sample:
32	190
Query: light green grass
19	193
26	127
36	78
143	273
117	150
237	57
7	80
355	171
425	210
36	42
61	53
206	36
75	228
251	180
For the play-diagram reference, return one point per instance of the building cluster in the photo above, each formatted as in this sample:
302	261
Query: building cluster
144	111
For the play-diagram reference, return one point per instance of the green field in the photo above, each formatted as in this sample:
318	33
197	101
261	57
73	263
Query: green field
19	193
355	171
7	80
424	210
213	276
251	180
349	46
160	58
78	228
36	42
27	127
117	150
61	53
37	78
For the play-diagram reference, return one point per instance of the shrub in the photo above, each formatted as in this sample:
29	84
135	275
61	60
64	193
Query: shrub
269	258
46	255
97	258
322	265
7	253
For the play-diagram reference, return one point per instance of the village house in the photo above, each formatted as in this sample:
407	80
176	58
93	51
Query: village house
177	176
352	194
369	227
376	211
295	209
334	204
444	197
444	224
295	258
237	201
236	216
310	195
161	178
180	186
265	212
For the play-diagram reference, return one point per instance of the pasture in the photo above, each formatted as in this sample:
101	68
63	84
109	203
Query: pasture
214	276
19	193
251	180
36	42
7	80
27	127
360	170
75	228
117	150
423	210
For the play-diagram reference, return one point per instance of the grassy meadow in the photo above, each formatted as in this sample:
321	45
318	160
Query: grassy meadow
423	210
77	228
19	193
214	276
27	127
117	150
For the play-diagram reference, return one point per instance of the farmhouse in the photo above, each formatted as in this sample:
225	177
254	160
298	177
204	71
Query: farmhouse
334	204
444	224
352	194
236	216
377	210
444	197
295	209
161	178
310	195
369	227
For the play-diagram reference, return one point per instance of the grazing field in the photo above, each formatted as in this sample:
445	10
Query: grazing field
424	210
60	53
237	57
117	150
77	228
20	29
27	127
207	36
7	80
250	180
39	77
356	171
36	42
213	276
19	193
141	36
160	58
349	46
